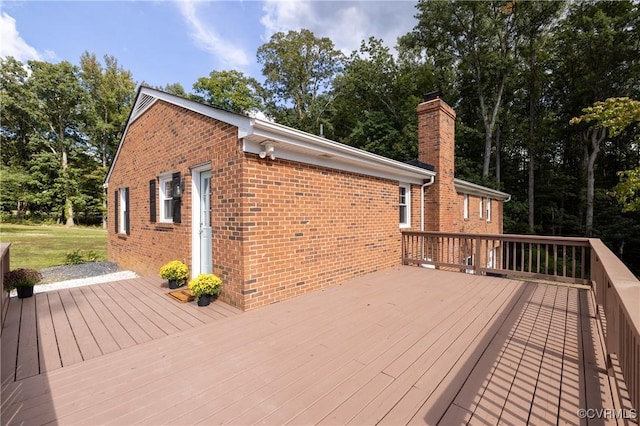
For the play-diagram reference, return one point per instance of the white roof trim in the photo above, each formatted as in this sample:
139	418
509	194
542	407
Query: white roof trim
291	143
299	146
464	187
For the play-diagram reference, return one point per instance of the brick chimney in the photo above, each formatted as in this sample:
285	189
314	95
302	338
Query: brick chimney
436	146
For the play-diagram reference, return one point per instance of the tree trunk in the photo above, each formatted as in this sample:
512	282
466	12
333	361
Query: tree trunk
104	190
531	191
532	127
68	205
498	150
490	124
596	136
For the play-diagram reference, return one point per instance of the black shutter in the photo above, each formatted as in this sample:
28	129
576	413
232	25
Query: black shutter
177	202
152	200
127	229
116	212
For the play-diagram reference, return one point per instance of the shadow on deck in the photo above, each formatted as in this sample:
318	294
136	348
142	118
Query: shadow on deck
406	345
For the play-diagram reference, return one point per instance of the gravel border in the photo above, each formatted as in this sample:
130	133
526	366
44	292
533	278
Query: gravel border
84	274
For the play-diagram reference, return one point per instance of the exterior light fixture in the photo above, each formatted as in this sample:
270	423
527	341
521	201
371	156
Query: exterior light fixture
268	151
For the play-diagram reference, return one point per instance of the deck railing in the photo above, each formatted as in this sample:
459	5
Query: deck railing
561	259
566	259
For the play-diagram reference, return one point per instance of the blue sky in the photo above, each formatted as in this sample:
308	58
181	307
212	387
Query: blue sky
163	42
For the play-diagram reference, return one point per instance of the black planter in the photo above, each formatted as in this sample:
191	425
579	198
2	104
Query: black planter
174	284
204	300
24	292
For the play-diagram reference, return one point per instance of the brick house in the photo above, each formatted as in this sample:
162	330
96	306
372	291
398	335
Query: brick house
274	211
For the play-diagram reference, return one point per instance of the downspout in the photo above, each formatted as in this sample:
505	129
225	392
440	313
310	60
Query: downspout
429	183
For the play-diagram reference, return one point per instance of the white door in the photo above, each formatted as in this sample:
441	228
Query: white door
205	223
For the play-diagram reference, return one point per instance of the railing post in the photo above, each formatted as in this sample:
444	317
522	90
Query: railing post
5	260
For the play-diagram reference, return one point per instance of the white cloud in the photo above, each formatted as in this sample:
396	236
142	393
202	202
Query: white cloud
346	23
12	44
207	39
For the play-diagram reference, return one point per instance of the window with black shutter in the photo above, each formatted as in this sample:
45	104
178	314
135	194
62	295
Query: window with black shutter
152	200
177	200
116	212
127	228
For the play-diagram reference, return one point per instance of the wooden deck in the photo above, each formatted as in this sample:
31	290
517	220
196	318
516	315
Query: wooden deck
62	328
407	345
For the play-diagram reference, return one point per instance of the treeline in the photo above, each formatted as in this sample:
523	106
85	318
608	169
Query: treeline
516	72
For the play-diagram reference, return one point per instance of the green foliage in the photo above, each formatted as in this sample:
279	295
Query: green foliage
174	270
299	69
627	191
60	129
205	284
77	257
615	114
229	90
21	278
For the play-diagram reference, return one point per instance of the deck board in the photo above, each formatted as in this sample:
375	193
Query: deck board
48	354
27	365
406	345
69	326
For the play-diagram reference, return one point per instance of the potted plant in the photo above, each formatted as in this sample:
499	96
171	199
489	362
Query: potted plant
175	272
22	280
205	287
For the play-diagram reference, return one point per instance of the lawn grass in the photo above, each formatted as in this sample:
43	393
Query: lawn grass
41	246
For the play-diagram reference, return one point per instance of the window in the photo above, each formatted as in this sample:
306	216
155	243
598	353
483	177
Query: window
488	209
121	210
481	207
405	206
166	198
465	206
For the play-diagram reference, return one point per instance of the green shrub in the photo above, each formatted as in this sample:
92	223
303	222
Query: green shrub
77	257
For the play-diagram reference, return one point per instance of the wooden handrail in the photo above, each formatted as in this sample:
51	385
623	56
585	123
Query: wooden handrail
578	260
617	291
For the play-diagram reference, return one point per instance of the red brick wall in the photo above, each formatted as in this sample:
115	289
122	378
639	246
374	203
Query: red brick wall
476	224
308	227
168	138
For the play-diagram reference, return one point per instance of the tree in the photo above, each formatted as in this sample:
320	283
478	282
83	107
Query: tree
376	98
610	116
62	110
478	39
299	70
595	60
19	112
229	90
111	93
534	22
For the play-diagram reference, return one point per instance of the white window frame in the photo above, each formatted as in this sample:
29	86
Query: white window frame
488	209
481	207
122	213
406	205
465	206
165	217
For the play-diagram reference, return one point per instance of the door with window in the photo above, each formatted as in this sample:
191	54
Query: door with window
204	231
